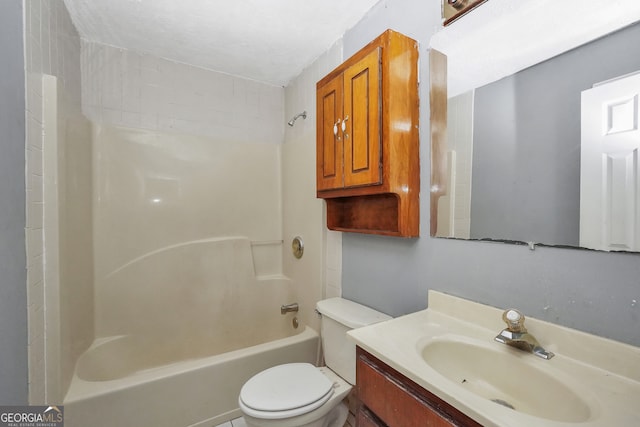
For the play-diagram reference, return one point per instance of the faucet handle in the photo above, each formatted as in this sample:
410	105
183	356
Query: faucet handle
514	320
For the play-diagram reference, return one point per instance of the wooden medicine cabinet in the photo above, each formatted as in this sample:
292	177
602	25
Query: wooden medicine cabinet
368	160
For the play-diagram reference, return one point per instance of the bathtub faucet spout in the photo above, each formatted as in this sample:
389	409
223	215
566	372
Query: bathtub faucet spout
287	308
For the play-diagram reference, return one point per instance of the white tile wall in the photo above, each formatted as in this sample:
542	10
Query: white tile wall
52	46
125	88
460	140
300	95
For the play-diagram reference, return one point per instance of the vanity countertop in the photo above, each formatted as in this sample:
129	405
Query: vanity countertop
603	375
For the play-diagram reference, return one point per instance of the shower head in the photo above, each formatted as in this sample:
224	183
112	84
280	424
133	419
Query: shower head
293	120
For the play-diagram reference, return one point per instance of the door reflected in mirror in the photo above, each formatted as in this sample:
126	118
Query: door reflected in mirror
547	155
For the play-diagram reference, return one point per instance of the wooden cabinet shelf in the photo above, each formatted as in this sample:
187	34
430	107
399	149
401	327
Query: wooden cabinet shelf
386	398
368	159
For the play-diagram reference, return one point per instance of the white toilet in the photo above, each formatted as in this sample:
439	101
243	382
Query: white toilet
302	395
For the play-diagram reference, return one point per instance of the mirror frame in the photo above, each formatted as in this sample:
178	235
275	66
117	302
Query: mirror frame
438	119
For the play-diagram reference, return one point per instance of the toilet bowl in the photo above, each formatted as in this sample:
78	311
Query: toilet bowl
302	395
295	395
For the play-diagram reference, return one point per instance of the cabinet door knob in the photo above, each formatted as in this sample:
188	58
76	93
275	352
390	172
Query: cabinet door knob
335	129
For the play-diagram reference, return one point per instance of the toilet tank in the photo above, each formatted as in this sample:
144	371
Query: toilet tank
340	315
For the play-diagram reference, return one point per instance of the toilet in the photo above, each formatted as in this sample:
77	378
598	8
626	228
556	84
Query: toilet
302	395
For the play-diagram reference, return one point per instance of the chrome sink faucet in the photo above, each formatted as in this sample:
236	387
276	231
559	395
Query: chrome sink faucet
516	335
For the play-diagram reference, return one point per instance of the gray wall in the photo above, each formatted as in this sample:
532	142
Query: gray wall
13	277
592	291
527	138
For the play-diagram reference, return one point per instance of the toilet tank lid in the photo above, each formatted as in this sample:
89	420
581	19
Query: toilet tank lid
349	313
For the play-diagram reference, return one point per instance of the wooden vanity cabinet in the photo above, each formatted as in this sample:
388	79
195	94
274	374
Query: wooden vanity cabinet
386	398
367	157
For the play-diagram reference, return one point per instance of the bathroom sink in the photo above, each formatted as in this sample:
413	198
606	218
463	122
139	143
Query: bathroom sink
506	376
449	350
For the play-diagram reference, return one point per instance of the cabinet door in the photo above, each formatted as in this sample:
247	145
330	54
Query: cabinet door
394	403
362	112
329	148
399	402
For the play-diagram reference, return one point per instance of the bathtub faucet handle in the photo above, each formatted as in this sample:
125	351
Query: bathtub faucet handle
287	308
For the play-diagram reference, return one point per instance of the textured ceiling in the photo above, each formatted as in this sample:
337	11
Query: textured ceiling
270	41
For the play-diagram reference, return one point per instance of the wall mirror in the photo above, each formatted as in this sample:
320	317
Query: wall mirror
547	155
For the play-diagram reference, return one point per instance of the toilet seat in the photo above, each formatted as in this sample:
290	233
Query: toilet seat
285	391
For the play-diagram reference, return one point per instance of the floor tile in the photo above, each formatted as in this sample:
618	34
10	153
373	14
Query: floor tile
238	422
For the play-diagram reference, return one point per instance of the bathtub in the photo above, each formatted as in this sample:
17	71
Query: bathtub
178	330
112	386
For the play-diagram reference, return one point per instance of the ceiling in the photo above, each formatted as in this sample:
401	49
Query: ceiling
268	41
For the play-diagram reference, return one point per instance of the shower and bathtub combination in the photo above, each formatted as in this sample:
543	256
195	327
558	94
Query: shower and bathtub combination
167	282
186	368
113	386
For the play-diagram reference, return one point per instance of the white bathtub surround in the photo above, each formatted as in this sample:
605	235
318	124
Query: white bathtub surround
160	203
191	300
174	310
153	190
179	292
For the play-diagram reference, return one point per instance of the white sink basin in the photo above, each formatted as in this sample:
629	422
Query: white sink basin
449	349
506	376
